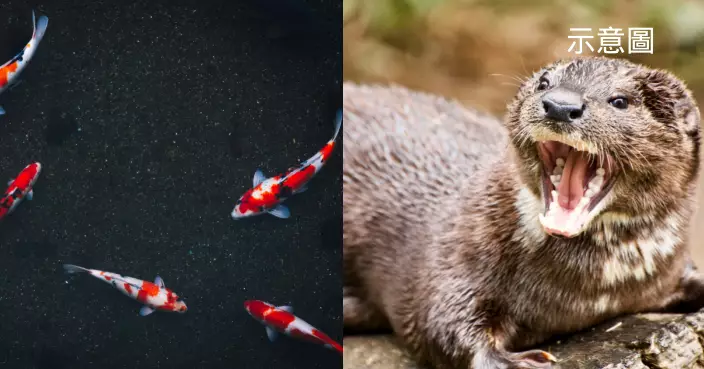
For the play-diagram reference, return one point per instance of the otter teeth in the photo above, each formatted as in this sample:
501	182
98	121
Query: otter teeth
557	172
559	166
553	203
595	183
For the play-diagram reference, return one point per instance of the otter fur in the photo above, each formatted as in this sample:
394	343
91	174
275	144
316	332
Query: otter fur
463	236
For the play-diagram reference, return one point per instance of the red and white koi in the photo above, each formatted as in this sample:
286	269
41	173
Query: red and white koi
268	193
154	296
281	319
20	188
10	70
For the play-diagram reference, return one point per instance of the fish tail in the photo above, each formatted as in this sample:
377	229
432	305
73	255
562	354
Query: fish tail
71	269
39	26
338	124
335	346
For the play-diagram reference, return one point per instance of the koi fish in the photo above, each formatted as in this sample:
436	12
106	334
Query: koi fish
281	319
268	193
10	70
20	188
154	296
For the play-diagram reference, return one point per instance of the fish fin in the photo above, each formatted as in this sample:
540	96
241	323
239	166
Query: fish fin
286	308
301	189
14	83
338	124
30	195
2	111
39	26
280	211
334	346
159	282
259	177
145	310
70	268
271	333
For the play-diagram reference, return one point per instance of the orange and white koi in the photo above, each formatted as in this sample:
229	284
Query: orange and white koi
268	193
281	319
154	296
20	188
10	70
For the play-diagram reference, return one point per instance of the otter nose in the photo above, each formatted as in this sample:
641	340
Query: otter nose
563	105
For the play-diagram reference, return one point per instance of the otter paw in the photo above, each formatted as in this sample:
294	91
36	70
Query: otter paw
689	297
533	359
498	358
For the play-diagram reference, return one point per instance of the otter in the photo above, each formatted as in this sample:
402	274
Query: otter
474	239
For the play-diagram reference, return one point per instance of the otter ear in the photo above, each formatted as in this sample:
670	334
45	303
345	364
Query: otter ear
691	118
668	99
672	104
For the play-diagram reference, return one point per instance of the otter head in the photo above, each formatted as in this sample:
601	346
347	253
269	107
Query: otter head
604	140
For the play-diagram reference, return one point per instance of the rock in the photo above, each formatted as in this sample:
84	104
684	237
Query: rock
375	352
643	341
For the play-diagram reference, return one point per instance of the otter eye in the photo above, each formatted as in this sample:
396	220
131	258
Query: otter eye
619	102
543	84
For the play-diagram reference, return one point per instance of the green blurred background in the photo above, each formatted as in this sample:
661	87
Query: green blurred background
475	50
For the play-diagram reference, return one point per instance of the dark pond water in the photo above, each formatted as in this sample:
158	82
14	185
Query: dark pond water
150	119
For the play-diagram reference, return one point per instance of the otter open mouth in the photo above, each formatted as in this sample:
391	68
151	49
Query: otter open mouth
574	182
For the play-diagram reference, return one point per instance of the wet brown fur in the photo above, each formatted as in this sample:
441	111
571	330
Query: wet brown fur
442	242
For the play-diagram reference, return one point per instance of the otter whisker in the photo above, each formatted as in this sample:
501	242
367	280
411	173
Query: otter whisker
510	84
515	78
525	70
